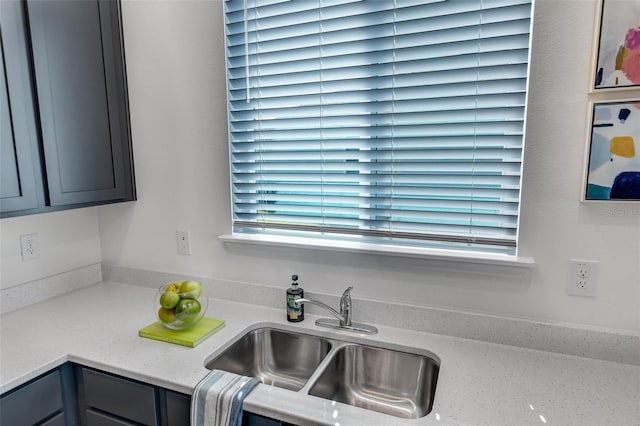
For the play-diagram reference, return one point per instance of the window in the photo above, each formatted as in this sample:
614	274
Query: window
393	121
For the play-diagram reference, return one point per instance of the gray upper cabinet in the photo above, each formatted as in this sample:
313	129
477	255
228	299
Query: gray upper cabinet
19	166
80	104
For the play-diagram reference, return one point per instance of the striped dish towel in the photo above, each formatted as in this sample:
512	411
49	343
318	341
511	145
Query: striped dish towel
217	400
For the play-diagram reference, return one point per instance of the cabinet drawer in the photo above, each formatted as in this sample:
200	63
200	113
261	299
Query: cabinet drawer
58	420
98	419
178	409
33	402
122	397
250	419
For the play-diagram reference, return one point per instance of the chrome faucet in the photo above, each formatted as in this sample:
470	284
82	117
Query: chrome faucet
345	307
343	317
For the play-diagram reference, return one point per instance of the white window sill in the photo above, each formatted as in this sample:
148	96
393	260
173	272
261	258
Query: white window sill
463	257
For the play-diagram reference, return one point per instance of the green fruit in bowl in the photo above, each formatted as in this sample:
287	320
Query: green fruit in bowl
169	299
174	286
190	289
188	310
180	304
166	315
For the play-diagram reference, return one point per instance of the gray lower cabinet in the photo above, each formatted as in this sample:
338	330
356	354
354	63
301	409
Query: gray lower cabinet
101	395
47	400
57	420
106	399
178	408
65	137
73	395
96	418
250	419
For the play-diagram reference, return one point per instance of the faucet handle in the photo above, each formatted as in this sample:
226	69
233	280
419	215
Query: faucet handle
347	293
345	300
345	307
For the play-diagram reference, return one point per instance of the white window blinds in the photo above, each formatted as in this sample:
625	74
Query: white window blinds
382	119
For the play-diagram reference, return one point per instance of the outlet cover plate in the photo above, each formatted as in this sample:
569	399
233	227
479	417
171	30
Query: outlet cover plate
183	240
583	278
29	247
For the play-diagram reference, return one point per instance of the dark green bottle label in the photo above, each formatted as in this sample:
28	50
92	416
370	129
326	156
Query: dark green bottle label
294	313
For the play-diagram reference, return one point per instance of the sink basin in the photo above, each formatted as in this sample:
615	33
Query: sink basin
274	357
394	382
397	383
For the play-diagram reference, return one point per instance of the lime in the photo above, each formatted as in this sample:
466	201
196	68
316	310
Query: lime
190	289
187	310
169	299
174	287
166	315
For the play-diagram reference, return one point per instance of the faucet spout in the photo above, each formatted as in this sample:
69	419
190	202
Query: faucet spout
344	316
325	306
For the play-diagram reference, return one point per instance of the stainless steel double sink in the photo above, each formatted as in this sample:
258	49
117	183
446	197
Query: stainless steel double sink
401	383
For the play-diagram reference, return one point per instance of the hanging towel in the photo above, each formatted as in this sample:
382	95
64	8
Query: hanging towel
217	400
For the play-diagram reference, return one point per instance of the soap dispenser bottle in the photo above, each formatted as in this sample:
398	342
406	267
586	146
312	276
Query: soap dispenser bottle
295	313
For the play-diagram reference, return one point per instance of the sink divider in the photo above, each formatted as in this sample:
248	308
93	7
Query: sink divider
336	345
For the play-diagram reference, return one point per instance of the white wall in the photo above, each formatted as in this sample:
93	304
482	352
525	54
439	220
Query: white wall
68	240
175	62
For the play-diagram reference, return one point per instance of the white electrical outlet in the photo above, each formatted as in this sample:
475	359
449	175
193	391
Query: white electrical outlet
184	241
29	247
582	278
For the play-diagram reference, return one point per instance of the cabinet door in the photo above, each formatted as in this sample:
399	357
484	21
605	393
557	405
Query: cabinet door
79	73
57	420
175	408
250	419
19	164
119	397
33	402
96	418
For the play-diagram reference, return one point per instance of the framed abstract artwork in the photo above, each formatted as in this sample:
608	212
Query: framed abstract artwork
613	155
617	56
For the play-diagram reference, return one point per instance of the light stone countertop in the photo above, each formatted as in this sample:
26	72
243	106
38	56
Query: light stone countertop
479	383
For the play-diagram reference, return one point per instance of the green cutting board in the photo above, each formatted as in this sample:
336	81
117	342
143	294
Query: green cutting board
190	337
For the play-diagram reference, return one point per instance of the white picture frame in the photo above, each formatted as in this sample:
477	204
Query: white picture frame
612	156
616	59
